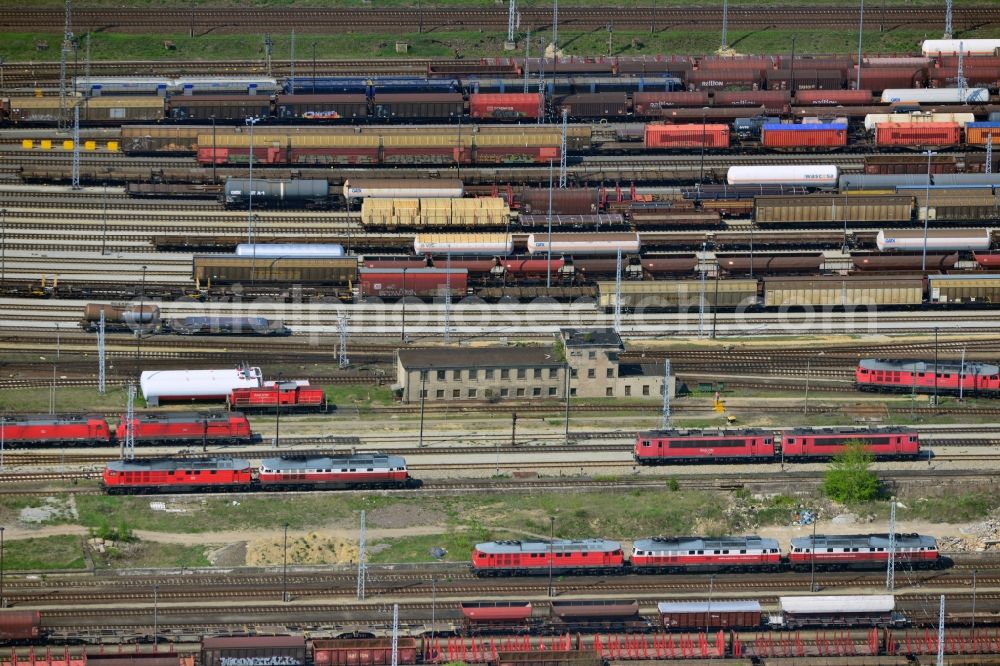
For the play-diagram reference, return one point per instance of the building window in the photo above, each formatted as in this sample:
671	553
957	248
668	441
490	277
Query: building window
537	391
504	392
440	375
663	388
592	355
609	392
489	373
611	373
423	393
521	373
538	373
456	393
520	393
440	394
552	391
457	375
473	393
505	374
645	389
473	374
572	392
552	373
628	389
573	373
591	373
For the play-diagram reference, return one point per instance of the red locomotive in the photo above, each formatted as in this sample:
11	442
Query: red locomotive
718	446
694	554
919	376
807	444
528	558
321	473
368	470
188	427
660	447
864	551
54	430
289	395
177	476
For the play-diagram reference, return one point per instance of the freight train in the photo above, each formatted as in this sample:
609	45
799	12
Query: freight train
146	319
971	378
660	447
146	429
287	473
687	555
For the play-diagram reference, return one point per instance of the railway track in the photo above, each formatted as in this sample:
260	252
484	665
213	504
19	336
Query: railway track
337	21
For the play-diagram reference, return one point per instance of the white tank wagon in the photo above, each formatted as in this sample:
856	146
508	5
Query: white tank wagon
935	96
491	245
188	385
817	175
402	188
578	244
290	250
952	47
949	240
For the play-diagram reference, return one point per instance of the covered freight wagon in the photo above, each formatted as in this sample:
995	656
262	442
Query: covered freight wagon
826	208
228	269
876	610
505	106
254	651
679	294
205	107
686	136
363	651
594	105
707	615
973	288
653	104
420	282
182	385
419	105
321	107
838	291
834	97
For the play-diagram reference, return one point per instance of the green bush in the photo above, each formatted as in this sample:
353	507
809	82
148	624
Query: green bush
850	478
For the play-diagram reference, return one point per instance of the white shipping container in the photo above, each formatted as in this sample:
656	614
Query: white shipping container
160	385
480	244
382	188
873	119
822	175
584	243
935	95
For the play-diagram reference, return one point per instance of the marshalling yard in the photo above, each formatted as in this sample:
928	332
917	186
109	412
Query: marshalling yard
583	342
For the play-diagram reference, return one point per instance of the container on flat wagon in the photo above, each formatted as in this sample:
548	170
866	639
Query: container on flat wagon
686	136
290	250
653	103
980	134
363	651
805	135
917	134
833	97
699	615
505	106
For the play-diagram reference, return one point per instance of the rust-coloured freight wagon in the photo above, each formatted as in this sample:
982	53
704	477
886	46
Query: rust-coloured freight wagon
775	100
834	97
687	136
19	625
420	282
702	615
595	105
899	164
363	652
818	135
652	104
918	134
206	107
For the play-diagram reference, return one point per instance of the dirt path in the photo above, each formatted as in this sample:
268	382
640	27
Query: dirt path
217	538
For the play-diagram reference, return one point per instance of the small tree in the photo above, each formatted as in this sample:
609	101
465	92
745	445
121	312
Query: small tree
850	478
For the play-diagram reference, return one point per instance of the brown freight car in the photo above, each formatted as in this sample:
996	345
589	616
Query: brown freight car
595	105
234	651
363	651
837	291
702	615
897	164
763	264
825	208
419	105
205	107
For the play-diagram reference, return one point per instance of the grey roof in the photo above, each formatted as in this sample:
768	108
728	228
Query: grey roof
698	434
174	465
867	603
651	370
967	276
557	546
666	607
478	357
323	462
701	543
909	365
855	432
591	337
186	417
865	541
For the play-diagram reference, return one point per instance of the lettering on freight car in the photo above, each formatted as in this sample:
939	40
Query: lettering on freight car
275	660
